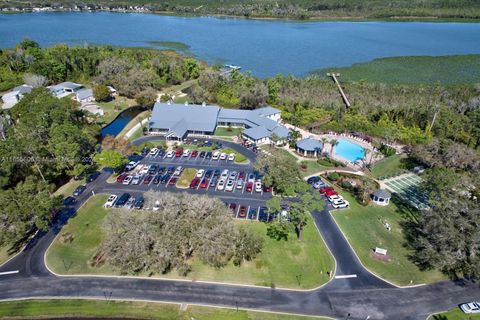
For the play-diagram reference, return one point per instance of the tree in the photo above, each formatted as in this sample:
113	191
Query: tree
247	245
111	159
101	93
299	213
146	98
333	143
121	145
34	80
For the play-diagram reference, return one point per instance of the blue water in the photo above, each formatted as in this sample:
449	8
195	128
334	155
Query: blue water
349	150
117	125
264	47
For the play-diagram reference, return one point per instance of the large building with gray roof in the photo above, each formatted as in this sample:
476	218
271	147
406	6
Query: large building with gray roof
176	121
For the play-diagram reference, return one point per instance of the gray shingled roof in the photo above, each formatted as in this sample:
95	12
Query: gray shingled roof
257	133
84	94
381	193
266	111
281	132
310	144
196	118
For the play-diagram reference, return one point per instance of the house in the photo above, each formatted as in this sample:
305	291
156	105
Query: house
84	95
381	197
64	89
176	121
309	147
11	98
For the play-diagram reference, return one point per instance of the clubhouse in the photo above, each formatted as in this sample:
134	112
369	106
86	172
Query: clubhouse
177	121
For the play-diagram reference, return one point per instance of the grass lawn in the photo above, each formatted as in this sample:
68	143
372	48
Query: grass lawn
141	116
388	166
364	228
68	188
224	132
187	176
289	263
129	309
454	69
4	254
455	314
239	158
112	108
312	167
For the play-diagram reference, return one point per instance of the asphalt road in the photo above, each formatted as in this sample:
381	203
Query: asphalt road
353	297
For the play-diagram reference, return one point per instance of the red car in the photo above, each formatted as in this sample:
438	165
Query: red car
330	193
241	175
249	187
172	182
194	183
122	177
194	154
242	213
179	152
232	206
204	183
325	189
267	189
147	179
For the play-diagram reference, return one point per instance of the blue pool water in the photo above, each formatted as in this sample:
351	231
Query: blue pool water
349	151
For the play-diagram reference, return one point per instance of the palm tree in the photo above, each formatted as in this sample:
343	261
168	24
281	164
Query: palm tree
366	151
334	143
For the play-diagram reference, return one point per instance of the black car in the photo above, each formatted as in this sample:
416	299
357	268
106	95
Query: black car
208	155
313	180
161	153
92	176
157	179
213	182
138	203
153	169
69	201
202	154
263	214
216	173
252	214
171	170
79	190
122	200
162	170
208	173
165	178
145	151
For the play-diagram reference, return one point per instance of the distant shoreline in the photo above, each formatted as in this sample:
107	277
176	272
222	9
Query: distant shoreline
432	19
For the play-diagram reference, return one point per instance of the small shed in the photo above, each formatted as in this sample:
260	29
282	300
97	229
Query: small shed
381	197
309	147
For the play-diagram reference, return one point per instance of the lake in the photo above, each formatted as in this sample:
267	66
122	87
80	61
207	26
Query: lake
264	47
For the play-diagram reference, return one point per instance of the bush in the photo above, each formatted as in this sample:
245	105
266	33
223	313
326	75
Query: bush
387	151
101	93
333	176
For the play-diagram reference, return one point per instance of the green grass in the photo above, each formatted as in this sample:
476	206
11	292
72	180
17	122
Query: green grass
130	309
364	228
388	166
68	188
113	108
4	254
291	263
138	133
187	176
450	70
225	132
312	167
140	117
239	158
455	314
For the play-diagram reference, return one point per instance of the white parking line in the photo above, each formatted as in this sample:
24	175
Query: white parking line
348	276
8	272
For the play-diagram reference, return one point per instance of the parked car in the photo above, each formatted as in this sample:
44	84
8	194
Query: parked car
208	155
240	184
241	175
258	186
231	157
194	154
324	190
127	180
122	200
136	179
110	201
208	173
204	183
330	192
132	165
147	179
171	170
470	307
165	178
179	152
202	154
138	203
251	177
68	201
93	176
130	203
170	154
233	175
334	197
216	172
223	156
186	153
319	184
313	180
157	178
221	184
153	152
263	214
252	213
200	173
172	181
121	177
233	207
230	185
340	203
249	187
194	183
79	190
267	189
224	174
153	169
242	212
178	171
213	181
145	169
215	155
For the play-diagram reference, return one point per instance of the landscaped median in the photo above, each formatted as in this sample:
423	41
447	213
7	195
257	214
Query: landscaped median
455	314
130	309
290	264
186	177
239	158
366	228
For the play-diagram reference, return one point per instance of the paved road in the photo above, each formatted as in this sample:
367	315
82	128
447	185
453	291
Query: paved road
360	297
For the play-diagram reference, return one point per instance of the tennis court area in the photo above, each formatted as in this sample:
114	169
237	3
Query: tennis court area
406	187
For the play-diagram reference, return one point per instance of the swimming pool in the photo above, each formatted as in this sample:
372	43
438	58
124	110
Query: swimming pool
349	151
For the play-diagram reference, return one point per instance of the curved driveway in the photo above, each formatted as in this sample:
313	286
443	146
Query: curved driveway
361	297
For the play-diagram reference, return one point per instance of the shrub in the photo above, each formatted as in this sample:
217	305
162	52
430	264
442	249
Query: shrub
387	151
101	92
333	176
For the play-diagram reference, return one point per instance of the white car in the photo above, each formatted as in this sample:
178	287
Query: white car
132	165
170	154
144	170
258	186
231	157
153	152
221	184
186	153
215	155
110	201
200	173
136	179
224	174
223	156
340	203
334	197
178	171
470	307
233	175
229	186
127	180
130	203
240	184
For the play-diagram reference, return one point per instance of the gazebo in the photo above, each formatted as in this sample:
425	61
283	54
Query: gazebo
309	147
381	197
